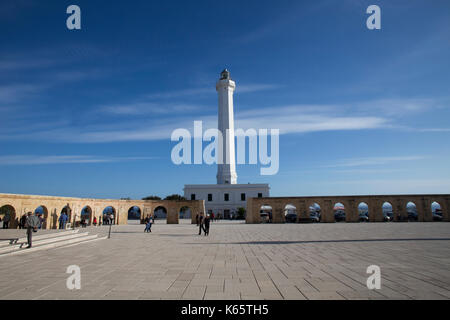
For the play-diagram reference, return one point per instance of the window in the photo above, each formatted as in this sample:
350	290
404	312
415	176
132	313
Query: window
259	195
193	196
226	197
209	196
242	196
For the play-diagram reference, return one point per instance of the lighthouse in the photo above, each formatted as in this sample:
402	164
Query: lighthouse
226	171
226	197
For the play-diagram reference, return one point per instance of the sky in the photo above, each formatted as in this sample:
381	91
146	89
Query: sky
90	112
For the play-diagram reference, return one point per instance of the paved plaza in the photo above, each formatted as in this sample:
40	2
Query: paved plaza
240	261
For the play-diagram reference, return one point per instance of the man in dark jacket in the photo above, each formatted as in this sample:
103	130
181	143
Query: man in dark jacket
31	224
200	223
23	220
206	222
6	220
63	220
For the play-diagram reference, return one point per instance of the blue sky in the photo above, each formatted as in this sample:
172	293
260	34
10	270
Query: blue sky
89	113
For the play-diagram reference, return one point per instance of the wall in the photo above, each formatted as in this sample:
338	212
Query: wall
54	205
374	202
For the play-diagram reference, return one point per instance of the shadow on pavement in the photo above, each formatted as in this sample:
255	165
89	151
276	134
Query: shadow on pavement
328	241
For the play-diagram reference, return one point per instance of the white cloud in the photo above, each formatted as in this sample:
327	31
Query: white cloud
16	92
435	130
370	161
395	186
290	119
142	108
240	88
37	159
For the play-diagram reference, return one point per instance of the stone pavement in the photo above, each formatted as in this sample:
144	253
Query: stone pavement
239	261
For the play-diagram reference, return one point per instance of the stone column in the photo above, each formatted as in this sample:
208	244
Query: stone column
194	212
399	208
278	213
445	206
302	211
375	210
351	210
172	216
424	210
326	211
252	215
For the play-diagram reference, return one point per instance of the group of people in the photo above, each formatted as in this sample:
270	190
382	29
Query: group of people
108	218
6	219
22	221
203	222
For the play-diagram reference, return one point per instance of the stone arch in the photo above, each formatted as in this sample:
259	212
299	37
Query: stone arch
107	212
339	212
266	213
363	211
185	212
87	213
411	210
68	210
42	210
436	211
388	211
160	212
315	211
290	213
134	213
9	212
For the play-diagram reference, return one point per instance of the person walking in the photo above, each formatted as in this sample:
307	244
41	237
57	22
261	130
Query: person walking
32	224
22	221
206	223
146	221
200	223
148	225
6	220
62	220
197	219
41	221
94	222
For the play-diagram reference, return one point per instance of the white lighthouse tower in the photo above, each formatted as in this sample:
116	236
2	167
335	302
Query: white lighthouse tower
226	172
225	198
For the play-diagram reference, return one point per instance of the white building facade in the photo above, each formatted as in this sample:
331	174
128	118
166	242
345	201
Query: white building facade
226	197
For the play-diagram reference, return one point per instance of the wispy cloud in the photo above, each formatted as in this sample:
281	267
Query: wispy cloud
398	107
155	120
39	159
15	92
373	161
142	108
306	118
241	88
289	119
255	87
395	186
435	130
